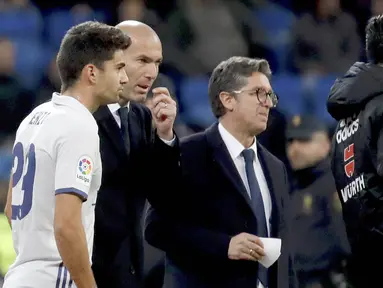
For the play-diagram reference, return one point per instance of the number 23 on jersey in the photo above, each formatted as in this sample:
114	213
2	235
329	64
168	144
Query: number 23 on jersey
24	170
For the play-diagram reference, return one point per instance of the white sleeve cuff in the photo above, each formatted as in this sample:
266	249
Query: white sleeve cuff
169	142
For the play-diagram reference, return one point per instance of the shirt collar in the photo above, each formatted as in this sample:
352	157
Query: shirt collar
67	100
115	106
234	147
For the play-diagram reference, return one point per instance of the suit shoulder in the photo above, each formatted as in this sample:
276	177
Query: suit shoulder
193	140
141	109
194	148
272	157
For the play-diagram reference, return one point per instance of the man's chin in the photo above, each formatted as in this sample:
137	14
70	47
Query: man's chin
259	129
135	97
123	98
139	97
110	100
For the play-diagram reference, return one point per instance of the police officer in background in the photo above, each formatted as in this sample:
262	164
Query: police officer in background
356	102
319	236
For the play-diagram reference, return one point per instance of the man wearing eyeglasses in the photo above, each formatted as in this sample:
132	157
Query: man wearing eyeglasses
229	192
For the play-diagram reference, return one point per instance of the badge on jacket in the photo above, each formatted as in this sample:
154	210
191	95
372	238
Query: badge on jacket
307	204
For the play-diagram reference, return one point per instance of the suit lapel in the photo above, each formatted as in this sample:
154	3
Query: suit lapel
222	157
109	127
268	165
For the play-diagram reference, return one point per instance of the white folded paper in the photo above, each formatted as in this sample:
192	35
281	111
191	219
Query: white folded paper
272	248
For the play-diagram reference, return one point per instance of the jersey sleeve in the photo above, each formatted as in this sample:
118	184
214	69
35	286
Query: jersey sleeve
76	155
376	134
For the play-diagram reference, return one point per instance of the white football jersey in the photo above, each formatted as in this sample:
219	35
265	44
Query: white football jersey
56	151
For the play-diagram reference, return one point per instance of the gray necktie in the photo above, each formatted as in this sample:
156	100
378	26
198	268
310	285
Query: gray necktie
257	202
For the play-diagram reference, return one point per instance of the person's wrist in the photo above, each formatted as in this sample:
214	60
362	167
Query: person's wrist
169	135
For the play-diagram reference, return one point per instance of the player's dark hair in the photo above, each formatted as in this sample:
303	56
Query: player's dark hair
90	42
374	39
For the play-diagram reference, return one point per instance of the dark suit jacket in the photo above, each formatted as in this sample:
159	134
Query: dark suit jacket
210	206
118	253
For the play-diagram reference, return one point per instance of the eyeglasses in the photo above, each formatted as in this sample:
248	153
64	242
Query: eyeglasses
262	95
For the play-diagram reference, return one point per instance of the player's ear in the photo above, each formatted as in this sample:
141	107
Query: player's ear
91	73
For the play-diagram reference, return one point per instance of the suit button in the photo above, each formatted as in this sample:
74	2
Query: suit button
245	224
132	271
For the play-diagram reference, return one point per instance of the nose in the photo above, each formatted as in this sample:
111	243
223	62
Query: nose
268	103
124	77
151	71
295	146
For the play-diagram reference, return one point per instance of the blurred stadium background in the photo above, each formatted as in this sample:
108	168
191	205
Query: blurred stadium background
307	42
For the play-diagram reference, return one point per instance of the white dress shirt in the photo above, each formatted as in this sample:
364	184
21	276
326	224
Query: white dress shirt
114	110
235	149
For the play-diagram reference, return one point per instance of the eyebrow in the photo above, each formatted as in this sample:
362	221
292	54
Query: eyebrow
150	59
259	87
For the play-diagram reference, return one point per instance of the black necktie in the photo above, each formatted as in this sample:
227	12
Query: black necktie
123	113
257	202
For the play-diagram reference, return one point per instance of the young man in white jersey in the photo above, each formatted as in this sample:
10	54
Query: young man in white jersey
57	164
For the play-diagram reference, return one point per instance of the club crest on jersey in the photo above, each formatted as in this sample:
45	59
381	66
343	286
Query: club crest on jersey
348	156
356	185
84	170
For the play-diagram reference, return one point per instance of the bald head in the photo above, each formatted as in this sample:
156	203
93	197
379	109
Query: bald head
142	59
137	29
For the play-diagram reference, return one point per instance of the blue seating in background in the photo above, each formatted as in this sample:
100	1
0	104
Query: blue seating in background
195	100
276	22
322	89
288	87
32	58
5	165
304	95
60	21
21	23
315	96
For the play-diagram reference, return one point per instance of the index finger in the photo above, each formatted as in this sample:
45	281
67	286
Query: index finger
159	90
162	98
255	239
